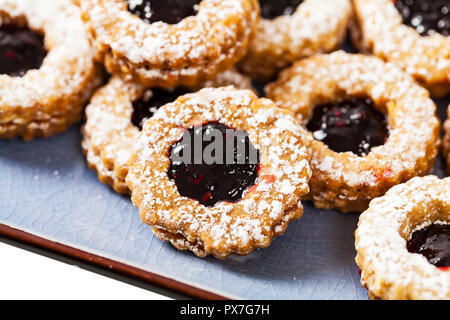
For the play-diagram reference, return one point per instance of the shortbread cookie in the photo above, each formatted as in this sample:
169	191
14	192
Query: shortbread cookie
115	116
47	70
180	43
374	127
294	29
236	203
403	242
413	34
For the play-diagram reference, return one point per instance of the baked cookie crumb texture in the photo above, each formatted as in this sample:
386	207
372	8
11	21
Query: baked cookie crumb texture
446	140
433	242
353	125
202	214
373	126
47	70
212	183
115	116
412	34
183	51
169	11
21	49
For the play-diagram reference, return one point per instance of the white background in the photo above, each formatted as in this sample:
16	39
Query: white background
27	275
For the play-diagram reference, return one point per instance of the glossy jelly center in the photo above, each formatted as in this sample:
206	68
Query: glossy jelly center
271	9
426	16
168	11
145	107
234	170
21	50
353	125
433	242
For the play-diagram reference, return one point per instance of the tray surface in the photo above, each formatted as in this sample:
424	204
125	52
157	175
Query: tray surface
46	189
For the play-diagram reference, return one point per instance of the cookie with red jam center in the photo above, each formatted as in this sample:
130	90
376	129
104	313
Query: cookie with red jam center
145	107
21	49
220	171
426	16
226	179
271	9
116	114
353	125
433	242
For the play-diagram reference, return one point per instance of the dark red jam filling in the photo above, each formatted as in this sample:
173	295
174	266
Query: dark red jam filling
353	125
433	243
145	108
211	182
21	50
426	16
168	11
271	9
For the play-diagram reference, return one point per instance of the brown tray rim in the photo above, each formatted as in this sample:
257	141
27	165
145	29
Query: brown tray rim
108	264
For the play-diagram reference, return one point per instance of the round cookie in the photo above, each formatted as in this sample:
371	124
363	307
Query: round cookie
47	69
113	124
209	38
338	84
290	30
410	214
196	211
389	30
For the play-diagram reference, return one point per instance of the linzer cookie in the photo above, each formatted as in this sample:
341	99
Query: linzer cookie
414	34
373	126
115	117
170	43
220	171
47	70
294	29
403	242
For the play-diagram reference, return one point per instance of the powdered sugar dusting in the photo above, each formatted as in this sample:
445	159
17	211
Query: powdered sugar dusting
316	26
109	135
198	46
